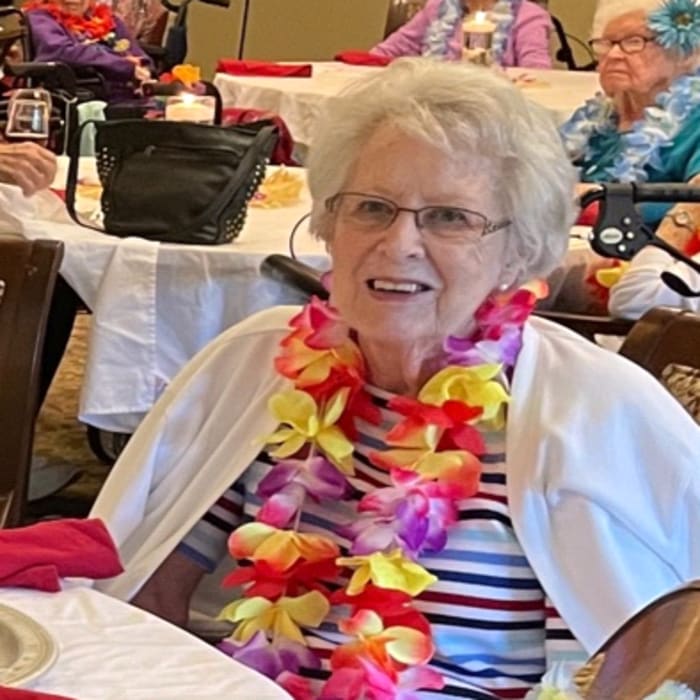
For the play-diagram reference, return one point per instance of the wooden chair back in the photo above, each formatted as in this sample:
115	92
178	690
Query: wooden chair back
666	342
400	12
660	643
664	336
28	271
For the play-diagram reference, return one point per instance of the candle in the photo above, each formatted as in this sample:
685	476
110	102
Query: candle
479	24
190	108
478	36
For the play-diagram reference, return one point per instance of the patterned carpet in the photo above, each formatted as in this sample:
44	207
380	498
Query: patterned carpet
60	438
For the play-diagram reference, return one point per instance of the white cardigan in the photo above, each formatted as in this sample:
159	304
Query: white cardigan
603	468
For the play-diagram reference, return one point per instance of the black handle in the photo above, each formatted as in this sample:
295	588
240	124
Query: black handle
294	273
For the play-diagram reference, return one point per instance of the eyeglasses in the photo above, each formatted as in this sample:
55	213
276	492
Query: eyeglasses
373	214
628	44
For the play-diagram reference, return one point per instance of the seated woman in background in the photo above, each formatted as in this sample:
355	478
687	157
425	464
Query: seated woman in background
645	127
437	462
87	35
521	37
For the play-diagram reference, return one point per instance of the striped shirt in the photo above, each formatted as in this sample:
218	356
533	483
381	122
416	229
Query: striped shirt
493	628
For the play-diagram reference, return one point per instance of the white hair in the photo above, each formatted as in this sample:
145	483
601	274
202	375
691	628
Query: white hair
607	10
462	110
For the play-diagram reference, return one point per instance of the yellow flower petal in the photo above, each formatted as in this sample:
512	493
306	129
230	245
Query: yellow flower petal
294	408
335	407
245	608
398	573
337	448
358	581
283	626
409	646
289	447
309	609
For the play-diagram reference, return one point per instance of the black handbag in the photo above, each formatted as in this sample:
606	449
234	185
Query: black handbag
176	182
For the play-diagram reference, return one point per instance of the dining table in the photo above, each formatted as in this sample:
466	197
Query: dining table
105	649
155	305
301	100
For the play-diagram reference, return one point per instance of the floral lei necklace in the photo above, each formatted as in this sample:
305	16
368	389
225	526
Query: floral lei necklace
640	147
433	461
449	13
97	25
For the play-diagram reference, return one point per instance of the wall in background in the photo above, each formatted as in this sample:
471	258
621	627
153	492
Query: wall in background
576	16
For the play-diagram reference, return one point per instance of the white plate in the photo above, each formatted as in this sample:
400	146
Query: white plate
26	649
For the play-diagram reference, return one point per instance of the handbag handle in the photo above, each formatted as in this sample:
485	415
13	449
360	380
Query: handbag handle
72	179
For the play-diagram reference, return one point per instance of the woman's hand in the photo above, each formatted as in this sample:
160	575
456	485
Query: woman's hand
27	165
681	223
141	74
584	187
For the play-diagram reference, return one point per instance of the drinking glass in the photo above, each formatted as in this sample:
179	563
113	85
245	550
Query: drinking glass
28	115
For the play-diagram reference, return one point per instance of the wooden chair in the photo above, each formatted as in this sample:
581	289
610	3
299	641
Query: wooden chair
664	336
660	643
13	33
28	271
666	342
400	12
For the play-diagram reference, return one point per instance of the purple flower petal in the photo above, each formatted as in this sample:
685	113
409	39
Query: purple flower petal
279	476
279	510
294	655
376	537
323	480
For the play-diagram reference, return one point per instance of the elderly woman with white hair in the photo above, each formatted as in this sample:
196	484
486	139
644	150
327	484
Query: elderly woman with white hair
645	127
415	489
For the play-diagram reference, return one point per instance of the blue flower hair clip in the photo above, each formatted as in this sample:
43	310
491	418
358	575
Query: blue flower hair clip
677	26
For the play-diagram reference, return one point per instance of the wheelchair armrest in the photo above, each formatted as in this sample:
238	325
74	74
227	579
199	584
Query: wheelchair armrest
295	274
60	73
588	326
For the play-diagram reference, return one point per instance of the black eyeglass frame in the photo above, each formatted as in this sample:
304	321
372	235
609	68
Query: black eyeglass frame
489	226
619	42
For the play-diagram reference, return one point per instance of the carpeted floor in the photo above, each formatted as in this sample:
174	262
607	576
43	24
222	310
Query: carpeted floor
60	438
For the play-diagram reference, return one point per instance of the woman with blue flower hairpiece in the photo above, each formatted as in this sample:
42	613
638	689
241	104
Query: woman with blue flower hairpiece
645	127
521	37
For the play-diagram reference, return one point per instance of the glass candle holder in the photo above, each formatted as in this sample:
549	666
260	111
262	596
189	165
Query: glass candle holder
478	39
190	108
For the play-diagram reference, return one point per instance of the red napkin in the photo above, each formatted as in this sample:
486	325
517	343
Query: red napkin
279	70
17	694
363	58
589	215
282	153
38	556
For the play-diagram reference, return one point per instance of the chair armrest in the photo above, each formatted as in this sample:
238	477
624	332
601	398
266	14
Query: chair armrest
295	274
61	74
588	326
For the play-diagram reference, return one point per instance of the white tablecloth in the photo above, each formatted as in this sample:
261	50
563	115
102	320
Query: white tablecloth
156	305
299	100
109	650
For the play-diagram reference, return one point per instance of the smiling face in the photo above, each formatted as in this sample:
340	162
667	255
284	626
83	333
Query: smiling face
645	73
404	284
74	7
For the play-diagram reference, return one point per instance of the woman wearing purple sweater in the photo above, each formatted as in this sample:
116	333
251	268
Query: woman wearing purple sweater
521	37
83	34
